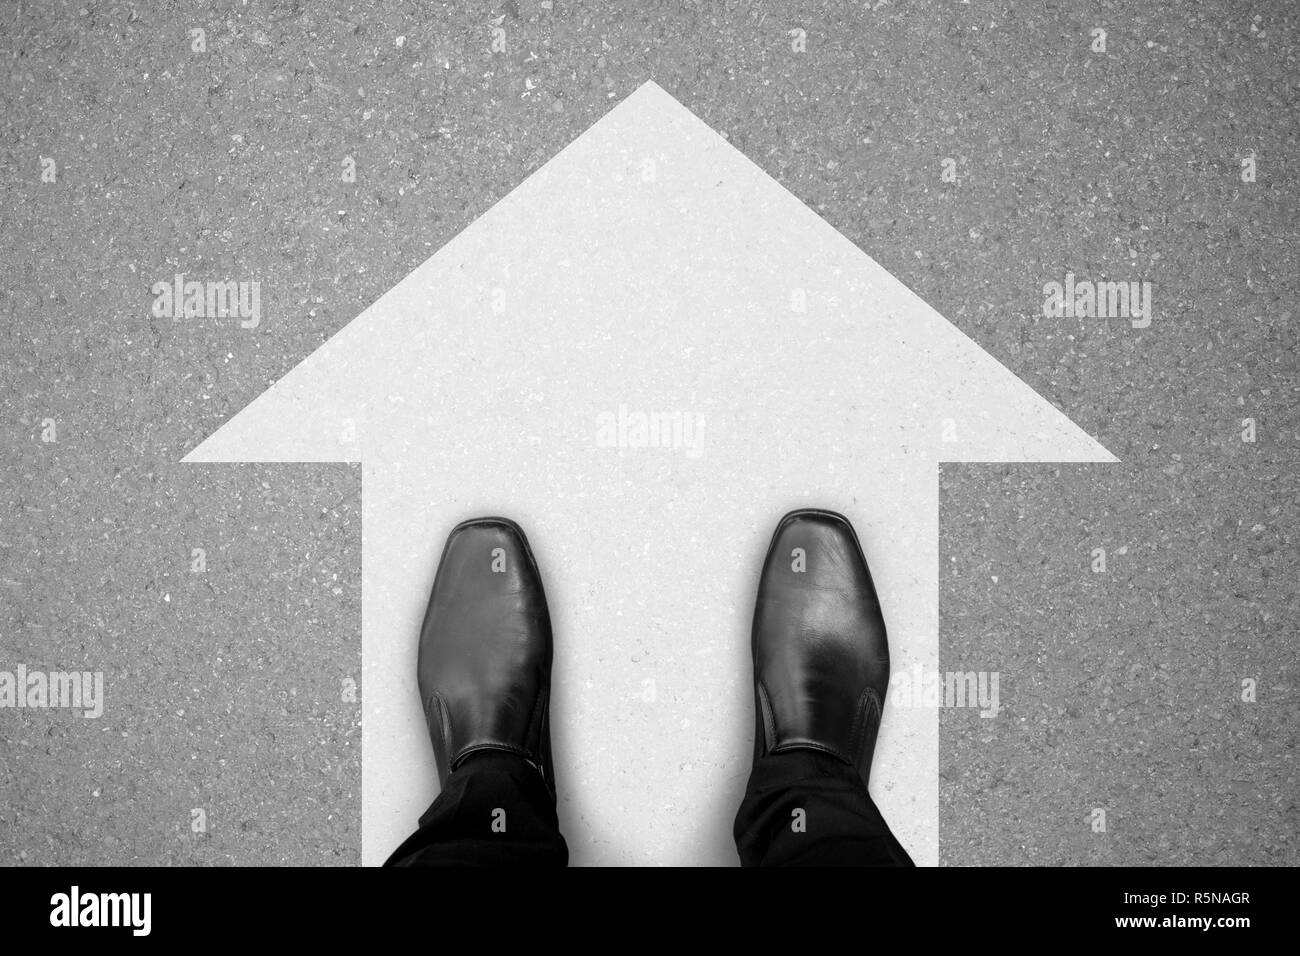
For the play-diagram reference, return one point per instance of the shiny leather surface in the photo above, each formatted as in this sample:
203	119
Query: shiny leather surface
485	649
821	658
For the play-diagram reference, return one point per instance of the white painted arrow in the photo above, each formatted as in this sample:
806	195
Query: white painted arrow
648	269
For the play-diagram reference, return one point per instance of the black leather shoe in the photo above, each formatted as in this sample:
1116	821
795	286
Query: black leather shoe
485	650
821	660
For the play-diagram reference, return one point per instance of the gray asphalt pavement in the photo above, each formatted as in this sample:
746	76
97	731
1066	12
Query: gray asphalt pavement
226	687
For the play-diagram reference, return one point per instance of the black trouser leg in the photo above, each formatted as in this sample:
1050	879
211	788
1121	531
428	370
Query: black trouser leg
839	824
494	811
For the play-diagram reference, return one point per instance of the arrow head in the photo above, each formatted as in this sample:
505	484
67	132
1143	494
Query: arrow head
650	266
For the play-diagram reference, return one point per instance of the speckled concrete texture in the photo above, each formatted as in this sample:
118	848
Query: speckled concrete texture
1122	690
227	164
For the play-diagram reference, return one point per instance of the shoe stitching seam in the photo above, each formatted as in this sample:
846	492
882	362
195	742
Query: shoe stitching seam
769	719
